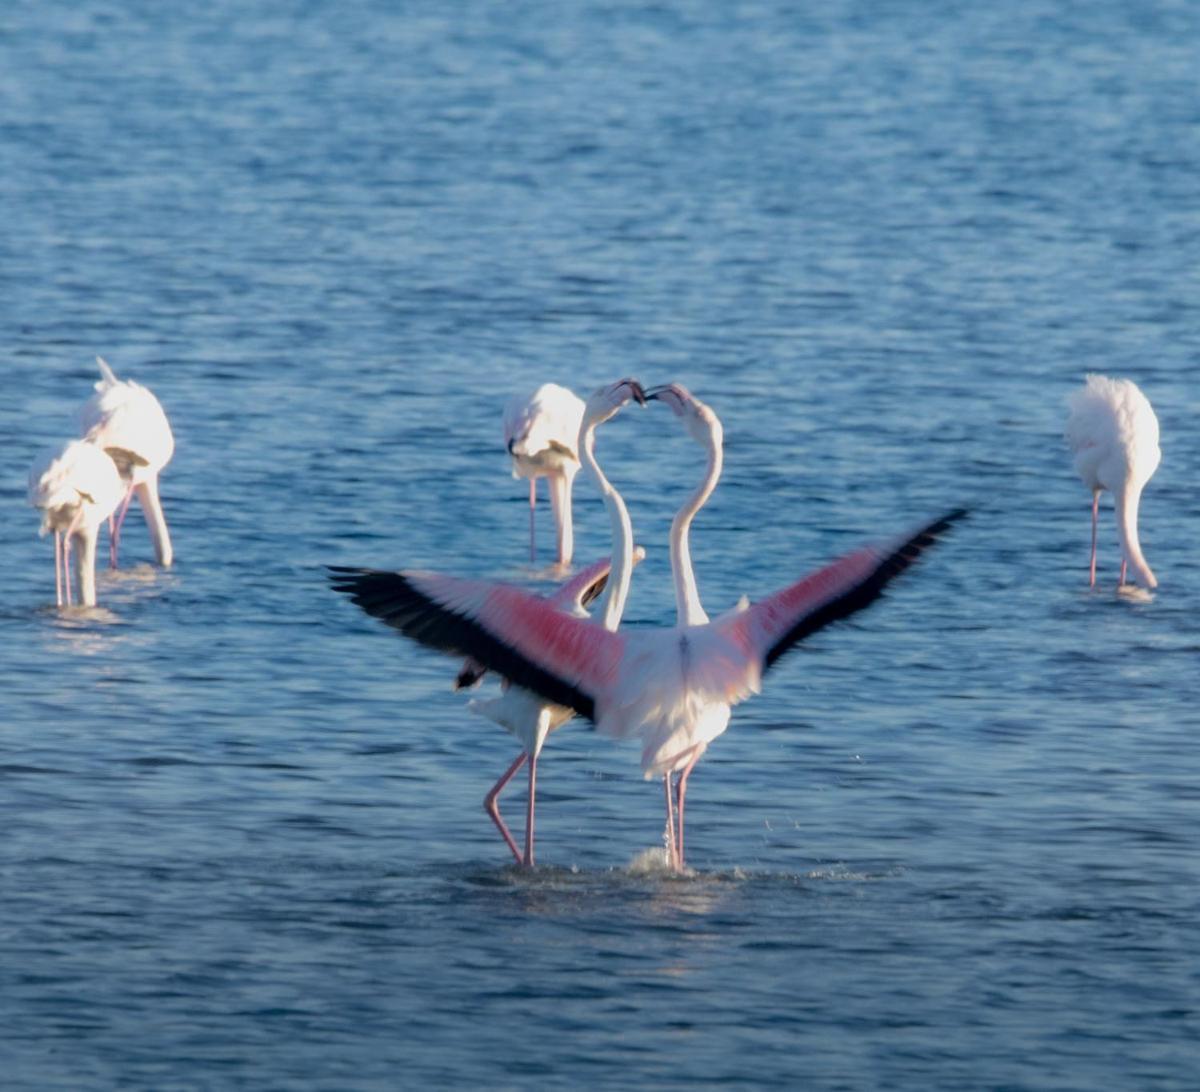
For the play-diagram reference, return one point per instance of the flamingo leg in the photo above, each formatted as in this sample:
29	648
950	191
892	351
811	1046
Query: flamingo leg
671	856
683	779
532	508
529	811
58	568
67	565
490	806
1095	517
1124	566
68	534
114	527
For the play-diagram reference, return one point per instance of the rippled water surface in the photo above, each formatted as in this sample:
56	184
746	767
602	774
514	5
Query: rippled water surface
953	845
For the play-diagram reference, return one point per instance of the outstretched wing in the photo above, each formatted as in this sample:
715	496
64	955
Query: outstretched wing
772	626
566	660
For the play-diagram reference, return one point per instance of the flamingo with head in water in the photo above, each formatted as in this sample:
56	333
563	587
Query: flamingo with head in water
1113	435
522	712
541	433
76	486
657	684
127	421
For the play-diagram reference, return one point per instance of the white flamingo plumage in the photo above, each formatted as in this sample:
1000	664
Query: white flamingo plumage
128	422
632	682
675	746
541	433
77	487
522	712
1113	435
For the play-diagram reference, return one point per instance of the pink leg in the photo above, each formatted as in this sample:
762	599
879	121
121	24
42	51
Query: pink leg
1095	516
490	806
67	564
1124	565
529	811
114	528
532	506
58	568
683	779
671	851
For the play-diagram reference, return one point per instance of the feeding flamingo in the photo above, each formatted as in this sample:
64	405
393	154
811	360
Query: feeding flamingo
541	433
523	713
77	487
1113	435
127	421
648	682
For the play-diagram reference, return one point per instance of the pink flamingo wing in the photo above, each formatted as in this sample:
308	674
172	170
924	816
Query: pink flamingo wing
568	661
769	628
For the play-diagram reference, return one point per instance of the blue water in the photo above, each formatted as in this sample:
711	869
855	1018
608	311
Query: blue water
953	845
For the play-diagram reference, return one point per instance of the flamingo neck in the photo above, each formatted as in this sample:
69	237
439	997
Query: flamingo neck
688	608
1127	499
617	590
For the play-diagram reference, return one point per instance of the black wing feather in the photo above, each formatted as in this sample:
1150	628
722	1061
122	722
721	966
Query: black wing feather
391	597
863	594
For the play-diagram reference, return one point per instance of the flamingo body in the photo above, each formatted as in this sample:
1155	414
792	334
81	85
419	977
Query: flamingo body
76	486
657	683
128	422
541	434
1113	436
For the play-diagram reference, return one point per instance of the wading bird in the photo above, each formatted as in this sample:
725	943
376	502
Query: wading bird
127	421
652	683
521	711
77	487
671	746
1113	435
541	434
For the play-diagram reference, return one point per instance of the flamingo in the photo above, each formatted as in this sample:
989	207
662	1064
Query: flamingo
541	433
649	682
528	716
1113	435
671	747
77	487
127	421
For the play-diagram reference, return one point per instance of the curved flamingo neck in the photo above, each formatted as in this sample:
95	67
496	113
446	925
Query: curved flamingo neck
617	589
1127	500
688	608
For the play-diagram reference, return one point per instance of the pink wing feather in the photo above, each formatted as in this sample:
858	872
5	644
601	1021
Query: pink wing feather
523	637
765	631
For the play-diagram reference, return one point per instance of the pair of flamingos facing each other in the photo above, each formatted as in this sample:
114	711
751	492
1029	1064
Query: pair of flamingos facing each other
672	688
78	485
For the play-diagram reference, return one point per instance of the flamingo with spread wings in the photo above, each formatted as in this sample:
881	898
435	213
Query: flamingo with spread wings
527	716
522	712
648	682
673	746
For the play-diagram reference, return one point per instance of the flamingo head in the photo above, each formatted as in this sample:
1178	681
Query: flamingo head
702	424
605	402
